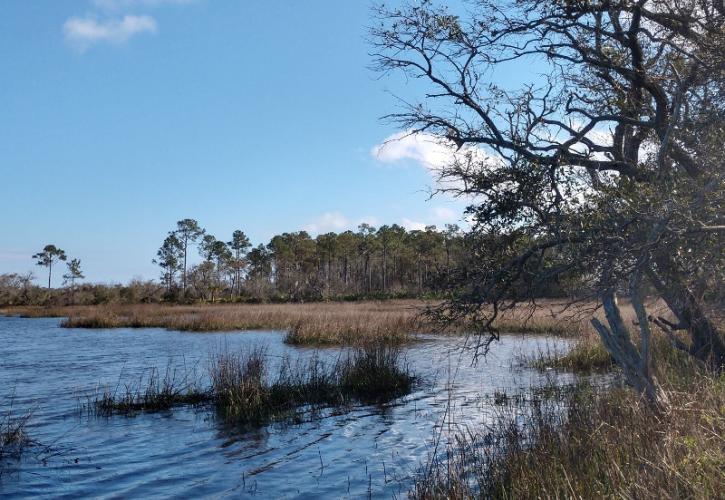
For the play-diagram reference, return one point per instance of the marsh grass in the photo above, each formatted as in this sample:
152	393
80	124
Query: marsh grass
586	355
154	392
322	323
374	373
242	392
591	442
338	323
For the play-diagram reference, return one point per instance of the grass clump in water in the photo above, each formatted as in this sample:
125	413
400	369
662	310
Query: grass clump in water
241	389
374	373
157	393
13	436
243	393
585	356
239	386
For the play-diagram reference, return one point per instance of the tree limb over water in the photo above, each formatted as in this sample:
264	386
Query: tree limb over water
608	167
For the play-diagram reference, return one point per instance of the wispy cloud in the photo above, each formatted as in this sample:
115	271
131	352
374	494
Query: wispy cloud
114	22
15	255
84	32
442	215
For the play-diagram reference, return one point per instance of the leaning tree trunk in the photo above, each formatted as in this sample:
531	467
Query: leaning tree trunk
706	341
633	362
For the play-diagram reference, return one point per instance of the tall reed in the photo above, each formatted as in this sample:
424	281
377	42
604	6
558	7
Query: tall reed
13	435
595	443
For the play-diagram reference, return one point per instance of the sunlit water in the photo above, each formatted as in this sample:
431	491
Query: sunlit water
364	451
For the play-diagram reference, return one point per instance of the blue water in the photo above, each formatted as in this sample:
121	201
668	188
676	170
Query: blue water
363	451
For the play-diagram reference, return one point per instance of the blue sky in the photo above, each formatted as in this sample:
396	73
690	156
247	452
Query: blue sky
120	117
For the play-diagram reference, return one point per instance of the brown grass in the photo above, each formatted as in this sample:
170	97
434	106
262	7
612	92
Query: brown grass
333	323
596	443
340	323
588	353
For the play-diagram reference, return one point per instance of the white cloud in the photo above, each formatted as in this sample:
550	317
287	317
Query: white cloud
438	216
426	149
412	225
432	153
336	222
84	32
329	221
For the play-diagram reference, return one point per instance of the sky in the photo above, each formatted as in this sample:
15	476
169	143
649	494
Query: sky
120	117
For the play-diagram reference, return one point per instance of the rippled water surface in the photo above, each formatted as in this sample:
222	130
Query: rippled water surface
364	451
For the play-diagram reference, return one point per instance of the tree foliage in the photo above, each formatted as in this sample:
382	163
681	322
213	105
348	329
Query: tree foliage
385	262
49	256
609	166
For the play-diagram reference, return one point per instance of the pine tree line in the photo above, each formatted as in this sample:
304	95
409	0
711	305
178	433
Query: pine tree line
388	261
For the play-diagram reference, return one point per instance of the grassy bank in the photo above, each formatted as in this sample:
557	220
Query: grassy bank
242	391
593	443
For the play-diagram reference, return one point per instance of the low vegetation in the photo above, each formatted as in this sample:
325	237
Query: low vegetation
593	443
319	323
341	323
242	392
155	393
587	354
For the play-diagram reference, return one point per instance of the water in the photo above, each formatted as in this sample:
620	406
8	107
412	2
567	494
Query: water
366	451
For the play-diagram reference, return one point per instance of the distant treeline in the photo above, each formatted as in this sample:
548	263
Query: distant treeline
384	262
389	261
